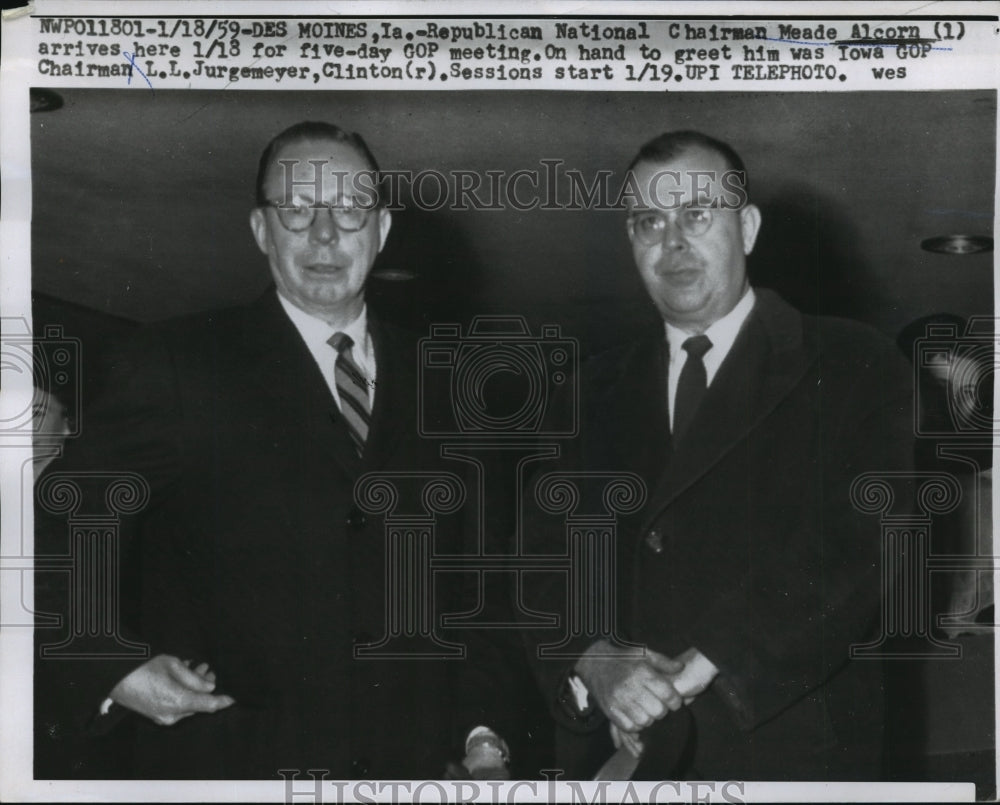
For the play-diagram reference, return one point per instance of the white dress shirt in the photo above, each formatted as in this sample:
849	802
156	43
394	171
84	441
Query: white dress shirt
722	334
316	333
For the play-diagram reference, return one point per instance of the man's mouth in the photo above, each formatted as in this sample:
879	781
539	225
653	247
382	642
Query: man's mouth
681	276
323	268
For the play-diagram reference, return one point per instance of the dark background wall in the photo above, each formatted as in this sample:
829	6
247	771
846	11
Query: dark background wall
140	199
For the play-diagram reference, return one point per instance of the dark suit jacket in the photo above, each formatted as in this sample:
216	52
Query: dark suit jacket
748	547
252	555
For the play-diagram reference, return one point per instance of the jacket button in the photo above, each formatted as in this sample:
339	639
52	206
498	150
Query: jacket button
356	519
359	767
654	539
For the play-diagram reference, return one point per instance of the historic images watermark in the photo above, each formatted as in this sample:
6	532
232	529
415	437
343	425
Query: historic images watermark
312	786
549	185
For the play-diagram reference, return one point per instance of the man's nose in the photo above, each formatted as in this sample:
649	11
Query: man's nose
323	229
673	236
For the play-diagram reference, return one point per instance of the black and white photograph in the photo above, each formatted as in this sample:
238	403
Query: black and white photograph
418	404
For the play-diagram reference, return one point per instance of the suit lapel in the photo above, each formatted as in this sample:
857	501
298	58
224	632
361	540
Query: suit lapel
286	371
766	362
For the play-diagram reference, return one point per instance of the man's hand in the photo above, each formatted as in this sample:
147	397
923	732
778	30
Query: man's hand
632	690
692	680
165	689
697	675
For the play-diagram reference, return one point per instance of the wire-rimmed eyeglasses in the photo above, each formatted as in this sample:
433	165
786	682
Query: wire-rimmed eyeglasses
649	225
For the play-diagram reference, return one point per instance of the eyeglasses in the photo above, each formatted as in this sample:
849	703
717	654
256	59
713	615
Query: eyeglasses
649	225
299	217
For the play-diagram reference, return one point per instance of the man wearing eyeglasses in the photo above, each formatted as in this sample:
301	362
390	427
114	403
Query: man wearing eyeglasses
748	575
260	576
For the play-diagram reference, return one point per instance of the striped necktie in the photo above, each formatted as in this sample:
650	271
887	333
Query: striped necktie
353	390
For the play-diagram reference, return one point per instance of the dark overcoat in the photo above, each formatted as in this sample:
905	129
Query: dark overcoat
253	554
749	547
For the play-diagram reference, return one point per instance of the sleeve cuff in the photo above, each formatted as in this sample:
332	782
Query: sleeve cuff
573	702
107	717
581	696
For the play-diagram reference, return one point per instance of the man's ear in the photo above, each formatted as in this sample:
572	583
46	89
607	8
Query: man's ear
258	225
750	220
384	225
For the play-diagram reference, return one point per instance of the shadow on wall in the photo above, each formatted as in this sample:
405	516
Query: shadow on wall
808	252
448	279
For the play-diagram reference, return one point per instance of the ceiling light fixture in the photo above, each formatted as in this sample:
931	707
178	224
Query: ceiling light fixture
958	244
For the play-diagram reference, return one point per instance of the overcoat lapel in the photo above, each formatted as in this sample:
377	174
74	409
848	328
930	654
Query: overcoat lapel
286	371
767	361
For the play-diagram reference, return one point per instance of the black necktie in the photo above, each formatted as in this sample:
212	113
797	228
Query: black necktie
353	390
691	384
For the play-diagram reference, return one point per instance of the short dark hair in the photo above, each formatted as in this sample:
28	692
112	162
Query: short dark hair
670	144
310	130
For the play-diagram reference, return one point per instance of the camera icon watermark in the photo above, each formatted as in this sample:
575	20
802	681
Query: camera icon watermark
52	361
500	381
962	365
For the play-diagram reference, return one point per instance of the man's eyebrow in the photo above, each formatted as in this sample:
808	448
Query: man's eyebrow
341	201
672	205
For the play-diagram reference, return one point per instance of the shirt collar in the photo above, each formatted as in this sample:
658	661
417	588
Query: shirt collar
722	333
316	332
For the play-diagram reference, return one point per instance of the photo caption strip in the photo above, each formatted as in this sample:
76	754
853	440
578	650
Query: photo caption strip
526	53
